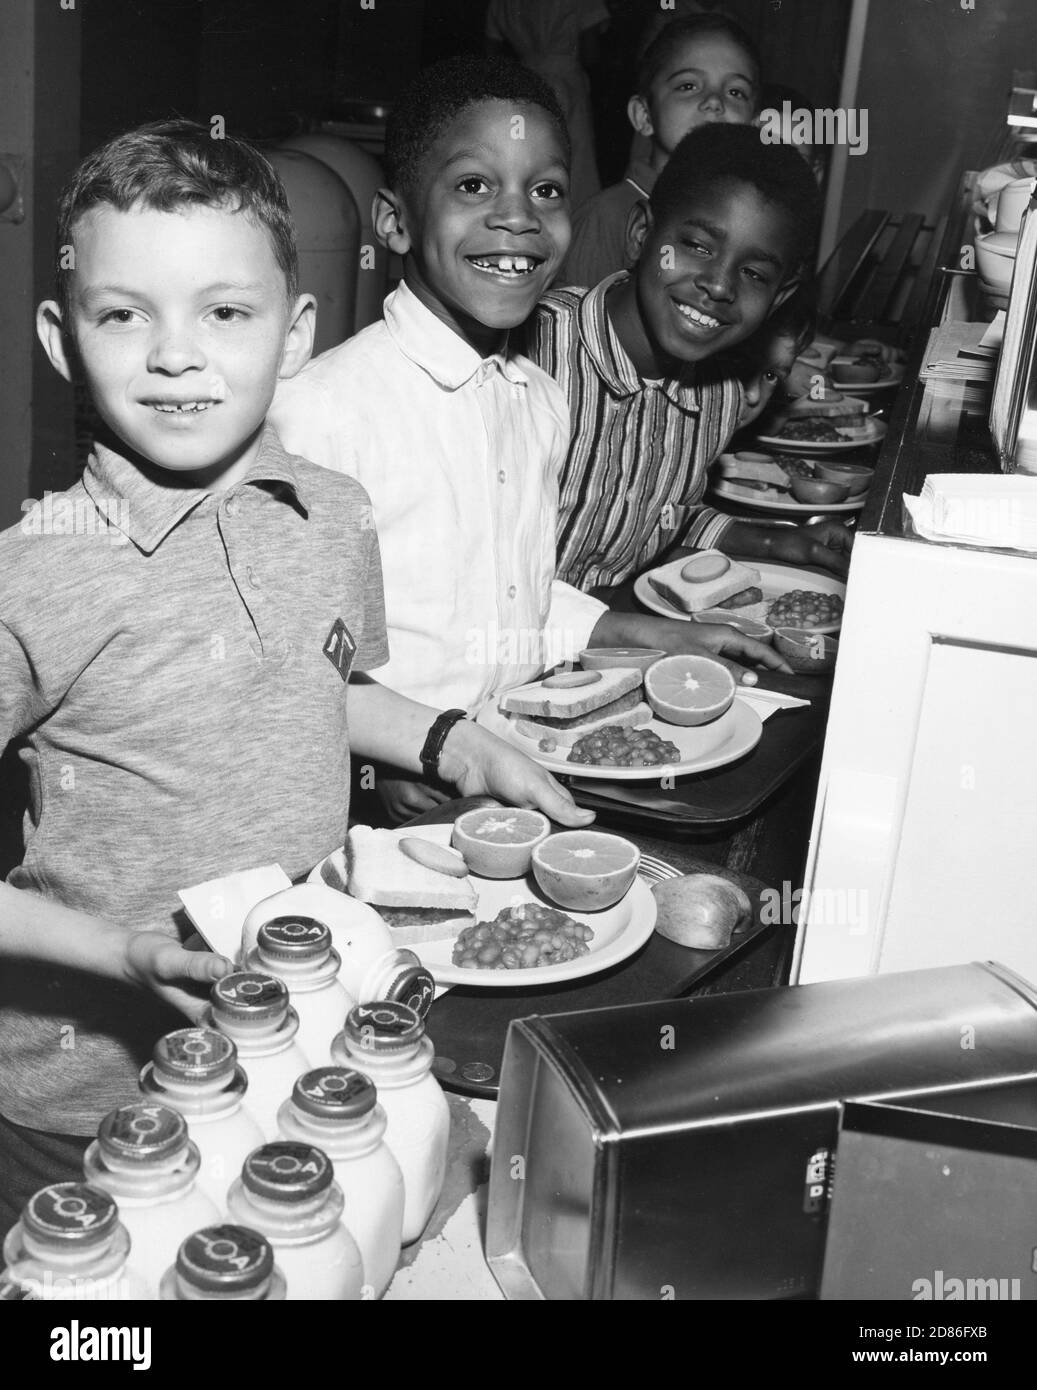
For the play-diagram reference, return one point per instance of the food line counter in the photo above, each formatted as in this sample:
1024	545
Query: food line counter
921	849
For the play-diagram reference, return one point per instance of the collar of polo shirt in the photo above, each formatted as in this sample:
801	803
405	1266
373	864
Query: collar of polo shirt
153	509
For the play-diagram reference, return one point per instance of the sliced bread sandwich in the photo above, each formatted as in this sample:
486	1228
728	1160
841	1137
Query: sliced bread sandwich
567	707
702	581
417	902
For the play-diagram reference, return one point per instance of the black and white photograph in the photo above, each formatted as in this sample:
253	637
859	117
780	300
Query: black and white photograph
518	587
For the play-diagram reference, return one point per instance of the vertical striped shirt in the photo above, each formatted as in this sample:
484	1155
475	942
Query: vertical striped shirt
639	451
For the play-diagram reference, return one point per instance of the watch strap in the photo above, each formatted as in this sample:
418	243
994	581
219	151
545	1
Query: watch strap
436	737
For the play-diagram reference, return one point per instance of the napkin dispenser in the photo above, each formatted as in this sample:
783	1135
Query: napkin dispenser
685	1149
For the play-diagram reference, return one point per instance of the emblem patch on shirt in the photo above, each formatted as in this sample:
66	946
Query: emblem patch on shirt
340	648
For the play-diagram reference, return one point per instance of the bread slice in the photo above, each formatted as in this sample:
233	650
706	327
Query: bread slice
411	926
567	732
381	874
728	466
536	699
692	596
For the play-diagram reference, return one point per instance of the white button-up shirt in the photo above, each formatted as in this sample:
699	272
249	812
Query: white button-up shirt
461	457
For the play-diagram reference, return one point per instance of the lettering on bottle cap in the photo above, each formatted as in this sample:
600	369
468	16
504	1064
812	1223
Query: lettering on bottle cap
413	986
386	1025
334	1093
142	1132
74	1213
225	1259
249	995
294	939
195	1054
287	1172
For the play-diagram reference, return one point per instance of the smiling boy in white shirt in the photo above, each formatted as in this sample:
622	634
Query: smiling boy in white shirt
457	439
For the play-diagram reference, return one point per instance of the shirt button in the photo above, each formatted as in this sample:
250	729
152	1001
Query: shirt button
512	591
251	576
502	477
232	507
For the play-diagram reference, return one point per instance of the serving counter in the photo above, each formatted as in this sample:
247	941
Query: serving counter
921	848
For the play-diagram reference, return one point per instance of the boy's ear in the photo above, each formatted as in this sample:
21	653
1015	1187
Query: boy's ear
389	219
298	340
639	224
50	329
639	116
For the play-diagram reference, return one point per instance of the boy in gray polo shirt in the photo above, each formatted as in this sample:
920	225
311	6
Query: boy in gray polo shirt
178	633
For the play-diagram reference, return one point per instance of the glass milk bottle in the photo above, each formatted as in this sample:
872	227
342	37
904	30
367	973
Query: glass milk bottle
142	1157
386	1040
254	1012
232	1264
195	1070
70	1246
288	1192
336	1108
372	967
298	951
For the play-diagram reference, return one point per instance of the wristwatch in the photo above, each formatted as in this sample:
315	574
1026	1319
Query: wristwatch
433	745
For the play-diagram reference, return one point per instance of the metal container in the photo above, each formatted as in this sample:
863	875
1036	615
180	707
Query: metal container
684	1149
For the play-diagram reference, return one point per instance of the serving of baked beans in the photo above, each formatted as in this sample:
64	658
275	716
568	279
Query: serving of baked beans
805	608
615	746
522	938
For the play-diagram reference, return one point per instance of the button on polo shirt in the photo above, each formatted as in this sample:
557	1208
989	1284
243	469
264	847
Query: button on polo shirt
182	721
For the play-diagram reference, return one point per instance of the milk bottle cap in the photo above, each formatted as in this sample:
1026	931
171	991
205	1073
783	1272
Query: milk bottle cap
142	1133
383	1026
249	996
195	1054
412	985
225	1259
287	1172
294	939
74	1213
334	1093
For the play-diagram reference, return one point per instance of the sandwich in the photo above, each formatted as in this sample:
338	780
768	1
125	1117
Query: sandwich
831	418
706	580
738	468
417	903
566	712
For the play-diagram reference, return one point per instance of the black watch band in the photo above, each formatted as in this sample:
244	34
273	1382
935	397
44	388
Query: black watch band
435	739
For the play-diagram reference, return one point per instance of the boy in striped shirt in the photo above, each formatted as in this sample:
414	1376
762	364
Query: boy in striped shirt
730	223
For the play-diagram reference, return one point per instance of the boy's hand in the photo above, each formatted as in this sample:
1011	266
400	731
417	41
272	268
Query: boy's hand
825	543
478	763
677	638
159	963
404	798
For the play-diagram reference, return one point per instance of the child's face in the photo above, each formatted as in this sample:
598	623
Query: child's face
488	226
764	378
709	272
182	325
710	79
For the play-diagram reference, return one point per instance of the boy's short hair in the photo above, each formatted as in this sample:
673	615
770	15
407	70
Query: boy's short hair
440	93
795	319
722	153
172	164
664	45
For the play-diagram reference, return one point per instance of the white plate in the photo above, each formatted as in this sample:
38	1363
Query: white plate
876	431
728	488
618	931
868	388
775	580
707	746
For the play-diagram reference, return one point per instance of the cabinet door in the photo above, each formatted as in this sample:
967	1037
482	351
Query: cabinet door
924	845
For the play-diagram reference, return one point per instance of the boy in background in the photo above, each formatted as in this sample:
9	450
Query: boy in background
457	438
179	674
729	228
696	71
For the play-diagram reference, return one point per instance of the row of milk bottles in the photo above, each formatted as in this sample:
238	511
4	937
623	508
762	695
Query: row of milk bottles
333	1168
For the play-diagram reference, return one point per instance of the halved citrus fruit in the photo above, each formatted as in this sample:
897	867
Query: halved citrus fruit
585	870
689	689
497	842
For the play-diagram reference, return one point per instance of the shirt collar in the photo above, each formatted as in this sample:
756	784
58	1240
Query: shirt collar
613	361
437	349
641	176
152	509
